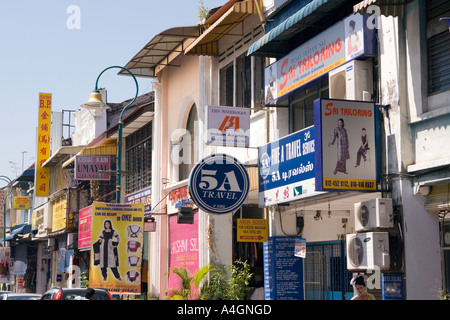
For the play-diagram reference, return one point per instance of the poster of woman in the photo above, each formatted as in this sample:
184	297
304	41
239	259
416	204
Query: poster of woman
113	266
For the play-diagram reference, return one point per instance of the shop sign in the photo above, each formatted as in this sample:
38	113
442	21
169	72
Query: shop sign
84	228
5	253
21	203
287	168
92	167
142	196
228	126
118	266
346	40
59	214
219	184
251	230
184	249
43	144
179	198
346	145
41	221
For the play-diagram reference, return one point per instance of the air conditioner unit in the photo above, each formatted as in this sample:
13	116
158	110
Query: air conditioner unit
373	214
352	81
369	250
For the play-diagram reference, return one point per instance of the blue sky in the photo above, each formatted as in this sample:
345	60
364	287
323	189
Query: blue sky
60	47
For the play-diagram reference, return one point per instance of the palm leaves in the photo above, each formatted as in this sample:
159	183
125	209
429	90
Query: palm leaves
190	284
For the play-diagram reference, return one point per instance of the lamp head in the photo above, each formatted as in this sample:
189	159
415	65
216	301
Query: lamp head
95	102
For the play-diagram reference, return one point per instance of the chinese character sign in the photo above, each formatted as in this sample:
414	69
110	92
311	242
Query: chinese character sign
117	234
43	144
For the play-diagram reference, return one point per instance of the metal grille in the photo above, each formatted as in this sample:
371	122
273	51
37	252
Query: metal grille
325	273
139	159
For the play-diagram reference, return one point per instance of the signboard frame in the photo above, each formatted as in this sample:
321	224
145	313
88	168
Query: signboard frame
337	168
209	178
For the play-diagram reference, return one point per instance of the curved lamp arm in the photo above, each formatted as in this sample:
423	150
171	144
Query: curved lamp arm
120	127
135	81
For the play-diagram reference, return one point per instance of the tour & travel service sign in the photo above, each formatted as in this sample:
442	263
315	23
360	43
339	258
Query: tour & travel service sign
219	184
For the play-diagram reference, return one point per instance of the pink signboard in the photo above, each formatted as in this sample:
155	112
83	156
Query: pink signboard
183	248
92	167
84	228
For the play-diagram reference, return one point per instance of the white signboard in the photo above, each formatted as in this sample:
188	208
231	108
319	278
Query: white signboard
228	126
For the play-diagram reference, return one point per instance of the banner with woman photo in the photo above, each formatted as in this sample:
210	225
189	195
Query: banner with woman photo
117	244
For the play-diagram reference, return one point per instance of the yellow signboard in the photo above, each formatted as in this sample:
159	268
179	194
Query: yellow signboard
21	203
117	234
43	144
59	215
251	230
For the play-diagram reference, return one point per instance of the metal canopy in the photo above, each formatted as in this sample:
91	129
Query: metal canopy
161	51
206	44
276	42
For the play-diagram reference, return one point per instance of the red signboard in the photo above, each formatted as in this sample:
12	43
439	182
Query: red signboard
183	248
84	228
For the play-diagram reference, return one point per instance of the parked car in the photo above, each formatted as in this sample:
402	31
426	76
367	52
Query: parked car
57	293
20	296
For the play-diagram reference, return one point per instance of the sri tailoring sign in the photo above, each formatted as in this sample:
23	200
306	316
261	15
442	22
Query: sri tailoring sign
348	39
346	145
92	167
228	126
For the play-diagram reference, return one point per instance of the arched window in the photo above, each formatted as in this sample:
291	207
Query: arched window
188	145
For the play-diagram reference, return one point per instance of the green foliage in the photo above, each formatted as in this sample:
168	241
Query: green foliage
203	11
190	284
235	288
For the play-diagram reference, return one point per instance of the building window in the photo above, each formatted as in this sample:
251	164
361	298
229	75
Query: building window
236	81
438	40
302	105
139	159
187	145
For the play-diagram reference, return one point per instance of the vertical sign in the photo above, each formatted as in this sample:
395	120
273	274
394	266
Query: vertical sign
84	228
2	212
117	238
43	144
283	271
183	240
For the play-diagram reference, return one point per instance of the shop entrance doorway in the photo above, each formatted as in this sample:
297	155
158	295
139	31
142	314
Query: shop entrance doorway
325	274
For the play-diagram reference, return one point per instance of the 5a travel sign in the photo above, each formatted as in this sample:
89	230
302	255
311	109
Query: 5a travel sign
219	184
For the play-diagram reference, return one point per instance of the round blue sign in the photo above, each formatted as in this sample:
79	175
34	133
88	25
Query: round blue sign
219	184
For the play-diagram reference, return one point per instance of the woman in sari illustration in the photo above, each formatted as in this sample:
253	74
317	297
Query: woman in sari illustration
108	253
340	134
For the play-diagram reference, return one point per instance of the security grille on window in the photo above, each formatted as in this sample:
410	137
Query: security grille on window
139	159
438	38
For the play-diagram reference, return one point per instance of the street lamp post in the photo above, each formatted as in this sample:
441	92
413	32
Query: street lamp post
95	102
4	207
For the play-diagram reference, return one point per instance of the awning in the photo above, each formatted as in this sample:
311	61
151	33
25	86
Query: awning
105	148
161	51
206	44
60	154
18	231
439	198
394	8
275	42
